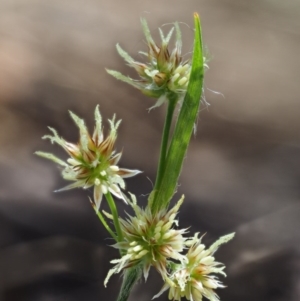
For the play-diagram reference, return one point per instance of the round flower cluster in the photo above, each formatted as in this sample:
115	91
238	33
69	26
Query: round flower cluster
196	277
93	161
165	73
150	240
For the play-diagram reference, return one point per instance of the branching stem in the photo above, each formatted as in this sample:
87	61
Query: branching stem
106	226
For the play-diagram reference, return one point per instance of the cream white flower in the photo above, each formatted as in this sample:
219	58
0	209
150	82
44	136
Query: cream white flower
164	73
93	161
197	278
150	240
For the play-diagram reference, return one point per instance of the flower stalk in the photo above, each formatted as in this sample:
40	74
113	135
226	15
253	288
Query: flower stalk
104	223
114	211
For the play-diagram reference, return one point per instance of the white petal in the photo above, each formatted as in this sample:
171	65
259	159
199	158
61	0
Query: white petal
84	134
52	158
209	283
104	189
127	173
71	186
163	289
207	260
117	193
97	196
222	240
109	274
108	215
159	102
114	168
115	159
182	81
124	54
146	270
98	134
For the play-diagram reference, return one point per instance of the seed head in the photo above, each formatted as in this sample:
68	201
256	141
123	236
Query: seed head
93	161
150	240
196	277
164	72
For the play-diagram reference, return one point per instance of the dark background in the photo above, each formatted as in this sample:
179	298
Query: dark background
241	172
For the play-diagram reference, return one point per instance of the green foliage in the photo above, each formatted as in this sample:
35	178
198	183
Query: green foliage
162	195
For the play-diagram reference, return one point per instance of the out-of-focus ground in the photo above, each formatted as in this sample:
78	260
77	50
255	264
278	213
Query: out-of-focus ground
242	169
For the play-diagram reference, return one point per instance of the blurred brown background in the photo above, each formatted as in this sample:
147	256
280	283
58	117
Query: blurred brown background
241	173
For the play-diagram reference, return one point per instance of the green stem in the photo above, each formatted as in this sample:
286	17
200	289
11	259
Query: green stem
106	226
114	211
183	129
131	276
165	139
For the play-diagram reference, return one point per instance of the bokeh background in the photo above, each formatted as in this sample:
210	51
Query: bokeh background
241	172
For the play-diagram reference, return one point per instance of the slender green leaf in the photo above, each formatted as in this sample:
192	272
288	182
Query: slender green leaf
184	126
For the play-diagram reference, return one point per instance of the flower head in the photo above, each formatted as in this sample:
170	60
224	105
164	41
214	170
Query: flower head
93	161
196	278
149	239
164	73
